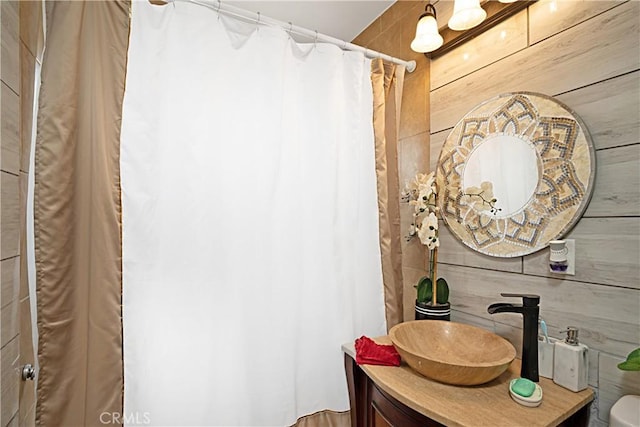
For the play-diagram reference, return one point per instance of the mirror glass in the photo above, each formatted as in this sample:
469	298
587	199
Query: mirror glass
510	164
515	173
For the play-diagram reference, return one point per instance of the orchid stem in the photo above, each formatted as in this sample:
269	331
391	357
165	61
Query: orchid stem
434	275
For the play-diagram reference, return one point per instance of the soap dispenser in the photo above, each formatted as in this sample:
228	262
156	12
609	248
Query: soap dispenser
570	362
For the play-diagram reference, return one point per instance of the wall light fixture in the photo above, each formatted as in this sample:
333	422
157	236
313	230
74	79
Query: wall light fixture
427	37
466	14
435	43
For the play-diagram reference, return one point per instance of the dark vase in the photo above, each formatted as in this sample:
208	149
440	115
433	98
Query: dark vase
428	311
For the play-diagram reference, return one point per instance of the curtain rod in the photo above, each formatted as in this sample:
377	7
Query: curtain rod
256	17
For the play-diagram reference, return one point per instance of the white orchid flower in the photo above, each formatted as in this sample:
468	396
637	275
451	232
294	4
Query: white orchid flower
419	206
428	181
428	232
412	230
421	191
421	194
424	193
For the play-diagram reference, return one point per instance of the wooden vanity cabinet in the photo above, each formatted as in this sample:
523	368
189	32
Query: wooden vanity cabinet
375	406
372	407
388	412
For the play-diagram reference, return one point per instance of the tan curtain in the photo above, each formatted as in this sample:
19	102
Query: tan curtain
388	80
325	419
77	213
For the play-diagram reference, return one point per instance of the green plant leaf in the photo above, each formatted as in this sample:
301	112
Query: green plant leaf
425	290
632	363
442	289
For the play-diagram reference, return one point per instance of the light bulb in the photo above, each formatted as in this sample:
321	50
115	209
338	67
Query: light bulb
466	14
427	37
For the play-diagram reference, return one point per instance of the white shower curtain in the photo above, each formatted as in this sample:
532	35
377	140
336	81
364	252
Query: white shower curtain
250	228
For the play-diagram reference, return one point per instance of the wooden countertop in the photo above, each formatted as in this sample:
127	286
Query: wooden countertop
486	404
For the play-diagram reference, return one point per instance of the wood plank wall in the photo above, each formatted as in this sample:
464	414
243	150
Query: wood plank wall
584	53
20	37
10	209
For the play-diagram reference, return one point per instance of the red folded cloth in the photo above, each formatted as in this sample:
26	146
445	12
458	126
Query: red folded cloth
370	353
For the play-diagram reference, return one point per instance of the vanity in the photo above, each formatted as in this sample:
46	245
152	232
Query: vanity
382	396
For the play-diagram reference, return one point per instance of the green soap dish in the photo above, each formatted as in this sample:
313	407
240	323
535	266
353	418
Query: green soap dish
523	387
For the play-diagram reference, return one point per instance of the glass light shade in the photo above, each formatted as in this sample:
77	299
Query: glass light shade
427	37
466	14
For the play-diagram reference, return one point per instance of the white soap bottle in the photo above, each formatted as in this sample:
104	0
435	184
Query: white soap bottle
571	362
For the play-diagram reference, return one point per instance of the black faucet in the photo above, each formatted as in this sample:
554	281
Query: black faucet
530	310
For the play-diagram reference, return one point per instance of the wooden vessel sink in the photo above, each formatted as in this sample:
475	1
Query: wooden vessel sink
452	353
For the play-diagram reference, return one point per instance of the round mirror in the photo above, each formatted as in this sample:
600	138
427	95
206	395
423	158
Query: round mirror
515	173
509	162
